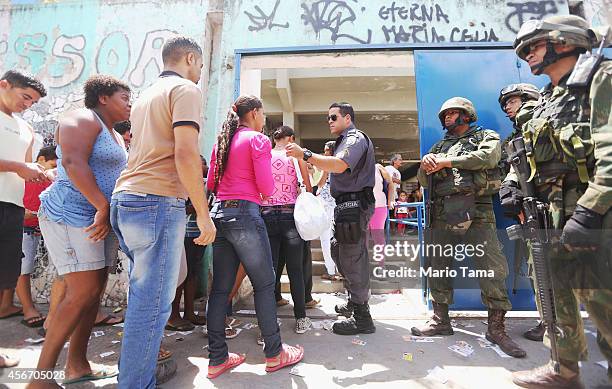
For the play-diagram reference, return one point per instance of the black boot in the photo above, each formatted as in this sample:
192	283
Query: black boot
360	323
346	309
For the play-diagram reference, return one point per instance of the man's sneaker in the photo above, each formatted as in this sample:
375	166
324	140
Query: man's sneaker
302	325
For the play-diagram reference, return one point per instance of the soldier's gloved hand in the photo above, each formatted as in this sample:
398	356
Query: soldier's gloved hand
583	230
511	198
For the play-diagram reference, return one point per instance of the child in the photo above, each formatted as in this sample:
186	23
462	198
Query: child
401	212
31	238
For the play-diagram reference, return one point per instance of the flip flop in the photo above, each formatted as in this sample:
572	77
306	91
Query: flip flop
108	321
93	376
288	356
181	327
34	322
163	355
232	361
18	313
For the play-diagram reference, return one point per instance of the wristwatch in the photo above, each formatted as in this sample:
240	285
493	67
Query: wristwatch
307	154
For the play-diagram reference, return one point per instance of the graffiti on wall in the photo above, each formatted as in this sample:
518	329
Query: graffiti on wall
61	62
390	21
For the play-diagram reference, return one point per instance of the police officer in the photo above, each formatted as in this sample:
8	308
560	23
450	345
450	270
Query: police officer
570	158
518	101
465	170
352	170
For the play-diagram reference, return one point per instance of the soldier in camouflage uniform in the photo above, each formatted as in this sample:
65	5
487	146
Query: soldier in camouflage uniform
518	102
465	170
570	156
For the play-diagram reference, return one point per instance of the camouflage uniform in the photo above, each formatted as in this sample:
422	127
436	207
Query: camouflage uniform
466	156
564	177
529	96
462	214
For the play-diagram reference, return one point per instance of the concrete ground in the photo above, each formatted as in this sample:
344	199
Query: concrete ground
382	360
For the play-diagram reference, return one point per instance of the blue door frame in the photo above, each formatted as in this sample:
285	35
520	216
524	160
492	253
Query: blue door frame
450	76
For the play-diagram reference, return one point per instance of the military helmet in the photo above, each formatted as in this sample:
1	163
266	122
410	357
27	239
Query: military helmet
523	90
458	103
564	29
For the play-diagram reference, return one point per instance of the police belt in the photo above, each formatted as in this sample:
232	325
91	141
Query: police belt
354	196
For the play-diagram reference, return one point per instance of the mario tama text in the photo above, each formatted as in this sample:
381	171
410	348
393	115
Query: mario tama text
411	252
406	272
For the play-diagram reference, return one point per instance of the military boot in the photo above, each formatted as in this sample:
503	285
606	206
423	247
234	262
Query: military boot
545	377
346	309
496	333
360	323
536	333
438	325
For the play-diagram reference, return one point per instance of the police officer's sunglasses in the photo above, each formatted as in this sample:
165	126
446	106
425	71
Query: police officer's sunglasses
333	117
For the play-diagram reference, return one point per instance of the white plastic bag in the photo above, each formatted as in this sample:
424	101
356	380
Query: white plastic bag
310	217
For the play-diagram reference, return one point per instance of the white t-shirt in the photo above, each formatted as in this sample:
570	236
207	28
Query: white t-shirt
16	136
396	175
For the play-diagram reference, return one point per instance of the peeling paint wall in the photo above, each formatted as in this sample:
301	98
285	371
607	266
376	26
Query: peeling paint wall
64	43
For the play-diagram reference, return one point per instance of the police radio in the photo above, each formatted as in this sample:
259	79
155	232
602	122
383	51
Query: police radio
586	66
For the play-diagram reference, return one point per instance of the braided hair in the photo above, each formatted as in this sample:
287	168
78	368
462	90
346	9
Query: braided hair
242	106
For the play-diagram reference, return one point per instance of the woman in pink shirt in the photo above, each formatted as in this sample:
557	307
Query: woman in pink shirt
277	212
240	175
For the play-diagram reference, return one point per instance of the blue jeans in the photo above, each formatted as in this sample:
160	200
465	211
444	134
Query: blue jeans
286	243
151	232
241	237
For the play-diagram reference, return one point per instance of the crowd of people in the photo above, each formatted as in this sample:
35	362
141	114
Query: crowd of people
161	204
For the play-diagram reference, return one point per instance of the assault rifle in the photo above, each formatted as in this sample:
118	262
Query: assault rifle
535	228
428	235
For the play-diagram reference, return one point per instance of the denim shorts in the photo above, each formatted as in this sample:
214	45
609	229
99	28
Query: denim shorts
29	248
71	251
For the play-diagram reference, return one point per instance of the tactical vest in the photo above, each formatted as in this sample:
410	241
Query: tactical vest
558	137
450	181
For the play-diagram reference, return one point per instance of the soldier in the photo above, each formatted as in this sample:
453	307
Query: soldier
570	166
518	102
352	169
465	170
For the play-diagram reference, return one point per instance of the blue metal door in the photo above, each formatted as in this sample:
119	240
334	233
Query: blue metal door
477	75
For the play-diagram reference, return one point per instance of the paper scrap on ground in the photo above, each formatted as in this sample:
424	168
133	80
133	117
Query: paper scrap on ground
298	370
171	334
437	374
407	357
205	347
97	334
246	312
323	325
603	364
115	341
420	339
462	348
248	326
107	354
359	342
120	325
117	310
590	332
34	341
185	333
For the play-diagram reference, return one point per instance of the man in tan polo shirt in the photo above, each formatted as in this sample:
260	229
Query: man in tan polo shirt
148	205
